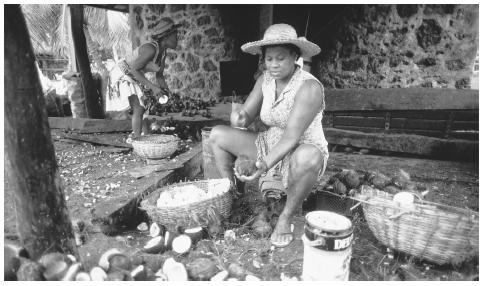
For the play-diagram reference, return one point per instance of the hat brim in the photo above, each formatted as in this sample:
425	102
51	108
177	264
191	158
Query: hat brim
307	48
166	32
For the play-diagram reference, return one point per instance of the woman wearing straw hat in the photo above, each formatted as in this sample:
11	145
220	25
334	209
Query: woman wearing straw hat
290	102
149	57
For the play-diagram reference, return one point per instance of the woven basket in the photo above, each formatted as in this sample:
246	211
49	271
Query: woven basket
189	215
335	203
155	146
438	233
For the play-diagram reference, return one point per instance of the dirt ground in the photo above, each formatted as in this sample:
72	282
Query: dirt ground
94	173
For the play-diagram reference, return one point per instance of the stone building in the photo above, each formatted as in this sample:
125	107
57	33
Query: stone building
364	46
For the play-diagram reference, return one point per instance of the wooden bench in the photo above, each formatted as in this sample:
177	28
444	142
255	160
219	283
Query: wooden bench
438	123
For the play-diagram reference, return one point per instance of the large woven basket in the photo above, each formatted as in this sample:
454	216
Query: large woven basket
438	233
188	215
155	146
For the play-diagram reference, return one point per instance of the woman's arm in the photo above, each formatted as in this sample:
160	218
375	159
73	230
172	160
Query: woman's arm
145	54
245	116
307	103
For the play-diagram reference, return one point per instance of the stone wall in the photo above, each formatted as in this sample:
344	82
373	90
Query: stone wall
387	46
193	68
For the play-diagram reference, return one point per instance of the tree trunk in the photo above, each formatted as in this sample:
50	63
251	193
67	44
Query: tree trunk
91	93
31	169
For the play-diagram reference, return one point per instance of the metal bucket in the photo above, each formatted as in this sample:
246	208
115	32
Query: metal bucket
209	164
327	242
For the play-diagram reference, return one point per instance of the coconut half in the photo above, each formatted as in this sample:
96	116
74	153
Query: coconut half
97	274
139	273
155	245
82	276
104	259
56	270
176	272
72	271
156	229
182	243
195	233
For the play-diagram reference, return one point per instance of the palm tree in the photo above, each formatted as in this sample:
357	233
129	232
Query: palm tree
49	33
49	27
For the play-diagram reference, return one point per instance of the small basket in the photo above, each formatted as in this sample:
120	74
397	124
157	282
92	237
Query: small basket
188	215
155	146
438	233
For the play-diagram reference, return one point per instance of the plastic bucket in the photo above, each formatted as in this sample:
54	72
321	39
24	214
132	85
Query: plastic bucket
209	164
327	242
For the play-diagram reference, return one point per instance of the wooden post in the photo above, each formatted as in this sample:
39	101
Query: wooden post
91	93
30	164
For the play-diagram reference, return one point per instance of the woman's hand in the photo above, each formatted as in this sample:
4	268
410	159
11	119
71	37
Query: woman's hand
261	167
157	91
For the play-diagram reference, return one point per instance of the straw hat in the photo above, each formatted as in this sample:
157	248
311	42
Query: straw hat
163	27
282	34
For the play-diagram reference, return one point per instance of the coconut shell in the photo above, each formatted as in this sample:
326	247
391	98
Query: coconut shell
97	274
30	270
72	271
155	245
195	233
201	269
56	270
221	276
181	244
351	179
339	188
245	166
391	190
139	273
52	257
103	262
119	262
237	271
115	276
82	276
156	229
261	228
380	181
11	259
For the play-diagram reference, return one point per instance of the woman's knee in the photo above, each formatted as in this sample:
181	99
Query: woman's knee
218	133
306	158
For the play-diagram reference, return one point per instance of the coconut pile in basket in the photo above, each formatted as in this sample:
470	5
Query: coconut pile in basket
187	194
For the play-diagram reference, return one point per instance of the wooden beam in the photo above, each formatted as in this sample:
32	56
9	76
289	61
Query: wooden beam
455	149
401	99
91	93
86	125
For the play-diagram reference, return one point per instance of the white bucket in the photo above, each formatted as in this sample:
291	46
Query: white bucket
327	247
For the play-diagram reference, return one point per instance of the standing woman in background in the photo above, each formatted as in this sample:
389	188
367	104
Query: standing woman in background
134	85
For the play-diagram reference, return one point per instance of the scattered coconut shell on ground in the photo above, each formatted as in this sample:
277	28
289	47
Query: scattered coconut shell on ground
82	276
202	269
104	258
97	274
56	270
156	229
181	244
155	245
11	259
195	233
237	271
72	271
30	270
220	276
351	179
139	273
119	262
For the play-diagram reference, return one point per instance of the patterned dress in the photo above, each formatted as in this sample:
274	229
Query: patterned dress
275	114
127	84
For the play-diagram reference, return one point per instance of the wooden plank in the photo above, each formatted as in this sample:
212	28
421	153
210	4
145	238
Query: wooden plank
86	125
97	141
359	121
469	115
401	99
421	124
454	149
464	125
432	133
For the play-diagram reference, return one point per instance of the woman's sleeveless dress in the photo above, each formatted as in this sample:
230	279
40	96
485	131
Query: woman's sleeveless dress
275	114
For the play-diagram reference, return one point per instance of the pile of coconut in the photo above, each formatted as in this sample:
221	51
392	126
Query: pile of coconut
348	182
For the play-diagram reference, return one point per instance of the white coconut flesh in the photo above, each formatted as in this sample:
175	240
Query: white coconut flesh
103	262
97	274
176	272
83	276
220	276
181	244
71	273
137	271
155	230
156	243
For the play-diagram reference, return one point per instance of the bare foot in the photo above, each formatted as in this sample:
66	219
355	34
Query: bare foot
282	233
